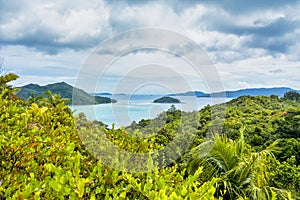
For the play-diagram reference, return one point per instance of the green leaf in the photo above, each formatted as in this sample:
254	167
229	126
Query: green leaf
55	186
81	184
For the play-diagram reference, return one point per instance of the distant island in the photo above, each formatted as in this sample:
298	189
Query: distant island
192	93
66	91
106	94
279	91
166	100
101	94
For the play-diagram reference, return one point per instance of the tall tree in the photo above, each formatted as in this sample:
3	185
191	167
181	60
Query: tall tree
7	90
292	95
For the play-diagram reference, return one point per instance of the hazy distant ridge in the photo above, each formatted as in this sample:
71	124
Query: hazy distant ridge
279	91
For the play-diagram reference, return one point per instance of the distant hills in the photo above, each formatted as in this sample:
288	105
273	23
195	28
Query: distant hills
66	91
256	92
192	93
84	98
279	91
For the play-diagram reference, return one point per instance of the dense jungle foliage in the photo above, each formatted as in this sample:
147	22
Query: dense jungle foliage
44	151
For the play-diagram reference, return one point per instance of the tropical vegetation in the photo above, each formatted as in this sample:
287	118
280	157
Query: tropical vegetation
248	148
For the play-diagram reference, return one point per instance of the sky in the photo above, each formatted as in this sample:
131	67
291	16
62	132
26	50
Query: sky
250	43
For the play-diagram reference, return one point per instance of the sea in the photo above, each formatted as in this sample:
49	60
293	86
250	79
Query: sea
131	108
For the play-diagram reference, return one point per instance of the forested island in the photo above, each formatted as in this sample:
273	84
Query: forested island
254	155
166	100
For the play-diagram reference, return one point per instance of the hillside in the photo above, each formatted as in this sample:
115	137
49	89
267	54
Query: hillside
265	122
66	91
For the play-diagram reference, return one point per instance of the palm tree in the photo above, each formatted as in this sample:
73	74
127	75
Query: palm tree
54	99
242	174
32	99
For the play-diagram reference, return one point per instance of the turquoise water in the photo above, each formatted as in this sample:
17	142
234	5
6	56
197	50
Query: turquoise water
137	107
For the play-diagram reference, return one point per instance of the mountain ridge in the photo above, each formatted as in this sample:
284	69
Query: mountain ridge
279	91
66	91
85	98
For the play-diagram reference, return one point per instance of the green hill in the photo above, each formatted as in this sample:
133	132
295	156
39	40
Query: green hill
66	91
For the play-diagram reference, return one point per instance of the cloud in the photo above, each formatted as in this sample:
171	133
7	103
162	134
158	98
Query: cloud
246	7
276	71
262	37
274	28
50	27
81	25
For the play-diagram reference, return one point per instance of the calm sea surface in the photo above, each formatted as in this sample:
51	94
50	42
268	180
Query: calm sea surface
136	107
